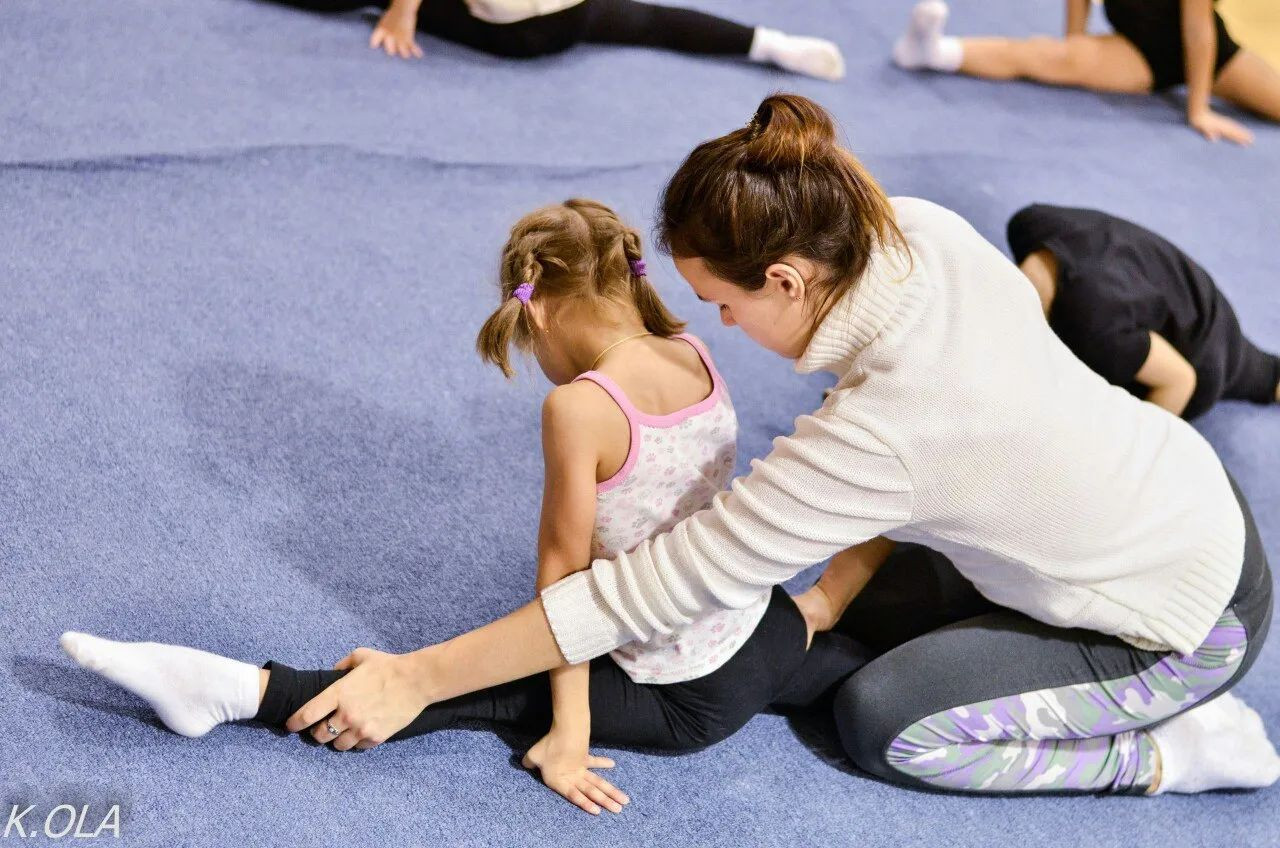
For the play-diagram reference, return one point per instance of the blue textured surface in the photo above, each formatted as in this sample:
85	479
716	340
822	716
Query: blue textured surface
243	261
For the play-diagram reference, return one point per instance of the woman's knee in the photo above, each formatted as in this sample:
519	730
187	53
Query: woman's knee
866	719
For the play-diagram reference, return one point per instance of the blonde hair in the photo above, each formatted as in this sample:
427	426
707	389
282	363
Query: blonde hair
576	249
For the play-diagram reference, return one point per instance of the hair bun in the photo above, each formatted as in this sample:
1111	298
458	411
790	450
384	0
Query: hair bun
787	130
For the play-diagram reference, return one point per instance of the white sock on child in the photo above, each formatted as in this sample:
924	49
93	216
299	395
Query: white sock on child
923	45
815	57
1220	745
192	691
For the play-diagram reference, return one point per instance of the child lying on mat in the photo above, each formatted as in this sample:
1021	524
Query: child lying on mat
1139	311
638	432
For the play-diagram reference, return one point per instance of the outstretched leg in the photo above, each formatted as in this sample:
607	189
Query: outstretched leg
1250	83
1099	62
689	31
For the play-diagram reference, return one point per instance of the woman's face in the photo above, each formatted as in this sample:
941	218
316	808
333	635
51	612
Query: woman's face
775	317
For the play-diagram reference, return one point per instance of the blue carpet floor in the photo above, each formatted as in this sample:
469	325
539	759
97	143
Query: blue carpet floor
242	262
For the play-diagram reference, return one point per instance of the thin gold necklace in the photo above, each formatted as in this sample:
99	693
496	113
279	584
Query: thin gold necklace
612	346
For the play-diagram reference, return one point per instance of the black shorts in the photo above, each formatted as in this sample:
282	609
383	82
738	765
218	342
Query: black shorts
1155	28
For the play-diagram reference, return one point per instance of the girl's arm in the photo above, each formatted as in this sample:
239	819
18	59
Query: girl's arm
395	30
573	429
1169	375
829	486
1200	50
1077	16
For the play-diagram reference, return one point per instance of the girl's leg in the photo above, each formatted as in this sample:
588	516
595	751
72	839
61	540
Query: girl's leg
1099	62
1003	703
193	691
689	31
1250	83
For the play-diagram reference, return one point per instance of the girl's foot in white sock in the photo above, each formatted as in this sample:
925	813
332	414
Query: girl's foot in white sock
923	45
1220	745
815	57
192	691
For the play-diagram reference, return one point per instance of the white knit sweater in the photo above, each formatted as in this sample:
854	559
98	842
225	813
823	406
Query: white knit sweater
961	422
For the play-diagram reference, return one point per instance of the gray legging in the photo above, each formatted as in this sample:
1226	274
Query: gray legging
970	696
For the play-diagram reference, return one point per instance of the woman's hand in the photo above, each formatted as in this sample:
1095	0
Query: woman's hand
815	606
1214	126
395	30
378	697
563	761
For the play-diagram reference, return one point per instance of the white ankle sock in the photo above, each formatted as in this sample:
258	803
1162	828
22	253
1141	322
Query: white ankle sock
815	57
192	691
1220	745
923	45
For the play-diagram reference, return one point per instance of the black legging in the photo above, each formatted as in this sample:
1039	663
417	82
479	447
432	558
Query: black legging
771	669
592	21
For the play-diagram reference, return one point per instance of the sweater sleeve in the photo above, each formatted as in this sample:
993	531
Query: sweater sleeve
828	486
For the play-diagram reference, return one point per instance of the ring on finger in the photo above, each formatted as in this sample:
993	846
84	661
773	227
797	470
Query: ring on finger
333	731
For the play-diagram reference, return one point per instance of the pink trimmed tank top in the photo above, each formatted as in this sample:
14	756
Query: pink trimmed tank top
675	466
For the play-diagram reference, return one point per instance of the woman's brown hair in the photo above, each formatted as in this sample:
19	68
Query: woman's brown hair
782	185
578	249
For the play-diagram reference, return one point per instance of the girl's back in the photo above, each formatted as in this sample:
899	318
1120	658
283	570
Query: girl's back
681	452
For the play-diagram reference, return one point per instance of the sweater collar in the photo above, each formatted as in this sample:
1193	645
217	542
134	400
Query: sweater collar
858	317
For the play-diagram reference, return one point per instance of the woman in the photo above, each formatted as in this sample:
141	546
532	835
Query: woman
528	28
1122	580
1157	45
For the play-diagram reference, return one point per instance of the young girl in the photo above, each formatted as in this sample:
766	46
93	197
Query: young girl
1139	311
527	28
1157	44
638	433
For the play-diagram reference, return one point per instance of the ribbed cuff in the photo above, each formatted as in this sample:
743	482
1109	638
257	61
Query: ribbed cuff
583	624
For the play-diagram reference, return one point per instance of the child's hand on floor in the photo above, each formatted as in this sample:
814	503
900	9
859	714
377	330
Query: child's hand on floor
1213	126
565	765
394	32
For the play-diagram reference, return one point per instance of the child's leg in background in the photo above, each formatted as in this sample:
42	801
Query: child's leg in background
634	23
1252	374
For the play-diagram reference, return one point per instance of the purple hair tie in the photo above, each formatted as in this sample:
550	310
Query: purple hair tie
638	267
523	292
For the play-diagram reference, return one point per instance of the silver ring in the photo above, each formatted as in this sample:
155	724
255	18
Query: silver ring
333	731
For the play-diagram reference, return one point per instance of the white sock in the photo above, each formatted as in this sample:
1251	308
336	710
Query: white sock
1220	745
192	691
923	45
815	57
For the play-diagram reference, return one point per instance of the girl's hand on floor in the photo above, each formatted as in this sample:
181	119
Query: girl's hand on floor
1214	126
565	765
394	32
378	697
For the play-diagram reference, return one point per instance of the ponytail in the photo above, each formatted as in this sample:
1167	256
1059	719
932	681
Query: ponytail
782	185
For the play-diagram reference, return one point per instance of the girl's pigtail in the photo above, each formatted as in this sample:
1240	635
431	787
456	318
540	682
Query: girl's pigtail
653	312
509	324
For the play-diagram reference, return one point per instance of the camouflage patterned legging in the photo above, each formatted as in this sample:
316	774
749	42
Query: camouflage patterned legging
965	695
1083	736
